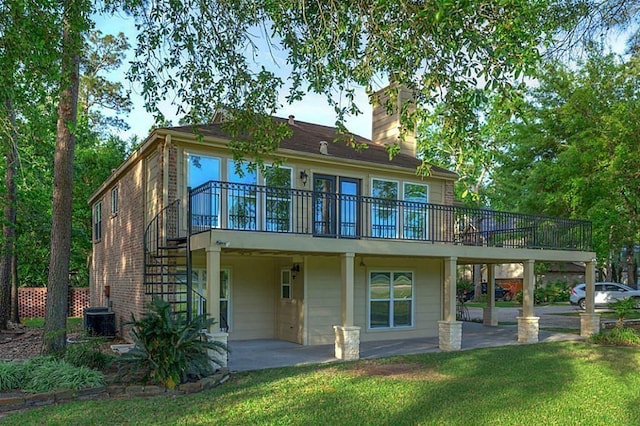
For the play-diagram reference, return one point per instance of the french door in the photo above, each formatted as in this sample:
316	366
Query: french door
336	210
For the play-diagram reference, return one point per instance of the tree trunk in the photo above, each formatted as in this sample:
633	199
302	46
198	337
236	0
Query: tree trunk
631	273
9	222
477	282
54	338
15	302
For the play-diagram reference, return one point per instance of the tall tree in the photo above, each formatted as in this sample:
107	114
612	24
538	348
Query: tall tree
25	28
574	151
75	23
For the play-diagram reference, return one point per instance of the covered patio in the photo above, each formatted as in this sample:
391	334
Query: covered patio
260	354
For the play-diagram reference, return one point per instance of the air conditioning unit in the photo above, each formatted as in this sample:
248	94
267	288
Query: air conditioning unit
99	322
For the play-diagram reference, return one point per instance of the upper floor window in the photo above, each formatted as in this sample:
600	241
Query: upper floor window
114	200
97	221
384	208
415	214
241	196
278	204
205	206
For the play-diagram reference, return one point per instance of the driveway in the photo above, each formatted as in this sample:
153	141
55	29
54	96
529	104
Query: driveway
550	315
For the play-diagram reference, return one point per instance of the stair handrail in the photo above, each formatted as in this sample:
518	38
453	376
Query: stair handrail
157	225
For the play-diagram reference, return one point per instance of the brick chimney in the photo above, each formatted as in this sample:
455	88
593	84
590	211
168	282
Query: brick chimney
385	127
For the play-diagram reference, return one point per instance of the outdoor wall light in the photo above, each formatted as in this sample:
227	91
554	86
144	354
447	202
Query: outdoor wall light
295	269
304	177
223	243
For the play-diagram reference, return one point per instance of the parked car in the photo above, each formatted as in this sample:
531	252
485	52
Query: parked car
605	293
501	293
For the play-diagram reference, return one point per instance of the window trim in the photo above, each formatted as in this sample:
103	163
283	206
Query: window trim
262	178
391	299
425	234
115	200
397	225
97	222
284	284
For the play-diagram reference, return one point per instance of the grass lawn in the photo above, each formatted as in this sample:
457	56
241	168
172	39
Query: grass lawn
562	383
72	322
605	315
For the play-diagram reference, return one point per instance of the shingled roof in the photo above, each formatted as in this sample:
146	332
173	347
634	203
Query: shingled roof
306	138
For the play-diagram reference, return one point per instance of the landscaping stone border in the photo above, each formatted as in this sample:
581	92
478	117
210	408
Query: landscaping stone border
19	400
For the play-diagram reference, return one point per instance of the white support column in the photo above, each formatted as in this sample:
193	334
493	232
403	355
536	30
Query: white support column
347	288
347	336
589	320
449	289
490	313
213	286
449	330
528	323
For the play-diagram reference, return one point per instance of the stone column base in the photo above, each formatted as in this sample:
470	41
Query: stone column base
528	328
589	324
347	345
490	316
222	358
450	335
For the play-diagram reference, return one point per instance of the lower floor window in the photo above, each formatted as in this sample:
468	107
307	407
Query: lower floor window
390	299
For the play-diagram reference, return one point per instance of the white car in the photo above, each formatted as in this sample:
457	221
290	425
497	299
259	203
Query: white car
605	294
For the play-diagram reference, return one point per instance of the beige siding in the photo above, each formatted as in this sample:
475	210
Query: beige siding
426	297
252	297
323	298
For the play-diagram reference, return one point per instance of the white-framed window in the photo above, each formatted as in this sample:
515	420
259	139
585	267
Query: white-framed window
415	217
285	284
225	300
384	208
114	200
277	199
205	205
97	221
390	299
241	196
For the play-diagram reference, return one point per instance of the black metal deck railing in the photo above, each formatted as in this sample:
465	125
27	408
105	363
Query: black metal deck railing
242	207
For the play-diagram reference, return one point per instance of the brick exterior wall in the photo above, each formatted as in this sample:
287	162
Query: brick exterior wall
32	301
118	259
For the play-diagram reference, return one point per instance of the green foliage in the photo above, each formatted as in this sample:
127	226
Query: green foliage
570	150
46	374
617	336
552	292
623	308
12	375
88	354
463	286
172	350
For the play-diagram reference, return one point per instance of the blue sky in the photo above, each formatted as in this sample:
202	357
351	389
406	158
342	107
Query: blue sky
312	109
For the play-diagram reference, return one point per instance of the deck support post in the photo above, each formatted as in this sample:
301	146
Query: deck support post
449	330
528	324
213	286
347	336
589	320
490	313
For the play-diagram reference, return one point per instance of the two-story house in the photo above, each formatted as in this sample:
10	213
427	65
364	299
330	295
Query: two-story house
335	245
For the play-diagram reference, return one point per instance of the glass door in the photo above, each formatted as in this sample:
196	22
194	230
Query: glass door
349	208
324	205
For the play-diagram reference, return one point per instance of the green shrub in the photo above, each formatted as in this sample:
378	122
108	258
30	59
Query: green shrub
11	375
623	308
46	374
171	350
618	336
88	354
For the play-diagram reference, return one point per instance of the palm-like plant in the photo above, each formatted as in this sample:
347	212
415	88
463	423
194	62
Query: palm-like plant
171	350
